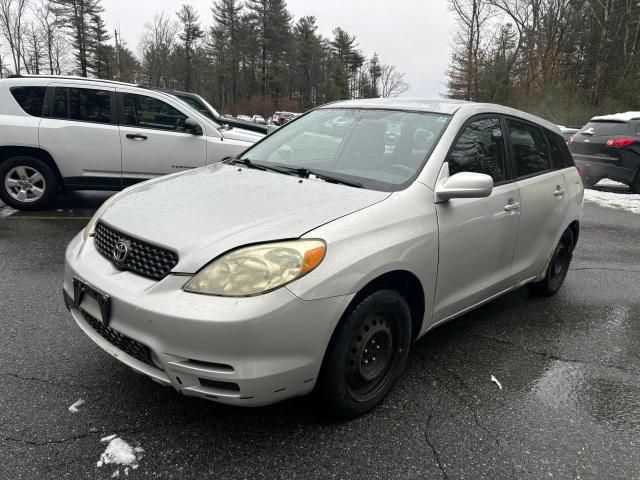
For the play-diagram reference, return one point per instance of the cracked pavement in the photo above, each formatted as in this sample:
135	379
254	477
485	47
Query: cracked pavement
569	367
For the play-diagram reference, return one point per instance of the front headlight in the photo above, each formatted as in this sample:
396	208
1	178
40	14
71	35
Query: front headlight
258	269
89	230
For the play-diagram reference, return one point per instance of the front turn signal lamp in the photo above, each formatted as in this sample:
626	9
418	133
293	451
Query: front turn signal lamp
258	269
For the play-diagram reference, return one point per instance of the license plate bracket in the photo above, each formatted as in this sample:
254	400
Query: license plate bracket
80	289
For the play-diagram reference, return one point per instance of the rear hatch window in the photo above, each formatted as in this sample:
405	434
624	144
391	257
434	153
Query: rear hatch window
604	129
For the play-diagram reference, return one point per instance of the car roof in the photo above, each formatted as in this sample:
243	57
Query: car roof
28	79
617	117
440	105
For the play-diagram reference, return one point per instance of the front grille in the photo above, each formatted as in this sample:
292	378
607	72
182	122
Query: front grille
142	257
127	345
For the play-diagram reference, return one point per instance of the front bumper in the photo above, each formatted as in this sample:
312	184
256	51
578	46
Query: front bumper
243	351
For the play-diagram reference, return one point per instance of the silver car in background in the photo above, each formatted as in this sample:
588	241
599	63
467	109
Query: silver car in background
317	257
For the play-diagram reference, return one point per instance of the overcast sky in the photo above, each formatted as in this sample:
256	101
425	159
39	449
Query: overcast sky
413	35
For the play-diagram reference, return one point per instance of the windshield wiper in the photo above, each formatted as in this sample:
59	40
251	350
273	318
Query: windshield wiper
306	173
260	166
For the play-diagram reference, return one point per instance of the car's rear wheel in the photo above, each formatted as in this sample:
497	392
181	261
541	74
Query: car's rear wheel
27	183
558	267
367	355
635	186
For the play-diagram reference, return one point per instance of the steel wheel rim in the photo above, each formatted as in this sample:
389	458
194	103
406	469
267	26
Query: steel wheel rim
25	184
372	356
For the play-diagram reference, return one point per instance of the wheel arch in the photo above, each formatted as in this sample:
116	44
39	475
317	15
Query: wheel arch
7	152
575	230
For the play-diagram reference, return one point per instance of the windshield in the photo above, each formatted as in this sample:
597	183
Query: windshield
381	149
199	107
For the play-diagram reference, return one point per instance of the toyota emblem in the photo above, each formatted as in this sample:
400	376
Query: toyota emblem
120	251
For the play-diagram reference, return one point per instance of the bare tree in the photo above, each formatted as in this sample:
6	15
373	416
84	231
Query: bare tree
33	48
157	44
392	82
12	14
48	23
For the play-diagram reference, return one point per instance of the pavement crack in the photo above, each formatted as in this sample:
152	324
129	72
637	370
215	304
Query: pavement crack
434	450
553	356
46	380
50	442
605	268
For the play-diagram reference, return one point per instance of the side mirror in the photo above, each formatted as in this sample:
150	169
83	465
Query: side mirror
193	127
464	185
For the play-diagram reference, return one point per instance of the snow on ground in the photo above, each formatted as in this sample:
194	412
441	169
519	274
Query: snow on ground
74	408
119	452
5	210
624	201
605	182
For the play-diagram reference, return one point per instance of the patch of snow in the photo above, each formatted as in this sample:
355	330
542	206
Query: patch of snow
115	474
623	201
496	381
74	408
119	452
6	210
605	182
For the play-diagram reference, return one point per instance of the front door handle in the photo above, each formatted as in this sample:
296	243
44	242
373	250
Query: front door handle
512	206
559	192
136	136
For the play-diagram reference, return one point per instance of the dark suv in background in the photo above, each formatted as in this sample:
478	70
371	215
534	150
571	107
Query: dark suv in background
201	105
609	147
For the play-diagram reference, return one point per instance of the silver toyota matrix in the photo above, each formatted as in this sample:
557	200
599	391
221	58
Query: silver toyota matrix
314	259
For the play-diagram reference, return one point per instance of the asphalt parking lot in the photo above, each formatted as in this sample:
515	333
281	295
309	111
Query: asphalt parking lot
569	368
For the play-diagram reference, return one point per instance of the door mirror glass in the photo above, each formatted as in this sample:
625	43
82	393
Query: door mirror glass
465	185
193	127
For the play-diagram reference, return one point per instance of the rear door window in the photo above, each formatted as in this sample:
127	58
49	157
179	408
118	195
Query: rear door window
148	112
529	148
30	99
561	156
480	149
82	104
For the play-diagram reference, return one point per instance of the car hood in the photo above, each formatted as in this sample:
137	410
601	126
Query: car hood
205	212
236	133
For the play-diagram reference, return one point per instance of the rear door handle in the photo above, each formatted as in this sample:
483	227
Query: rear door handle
559	192
512	206
136	136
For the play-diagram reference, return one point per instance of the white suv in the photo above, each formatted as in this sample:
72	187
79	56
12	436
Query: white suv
78	133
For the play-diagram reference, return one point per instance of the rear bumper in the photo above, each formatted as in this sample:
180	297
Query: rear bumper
598	169
242	351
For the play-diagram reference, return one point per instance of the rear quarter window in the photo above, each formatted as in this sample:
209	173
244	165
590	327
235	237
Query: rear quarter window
30	99
559	150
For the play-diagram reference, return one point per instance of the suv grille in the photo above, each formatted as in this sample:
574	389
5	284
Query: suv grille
127	345
141	257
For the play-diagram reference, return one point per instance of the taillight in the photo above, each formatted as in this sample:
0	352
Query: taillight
572	138
620	142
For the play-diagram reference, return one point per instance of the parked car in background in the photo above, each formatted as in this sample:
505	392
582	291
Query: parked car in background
246	118
280	118
568	132
201	105
259	119
609	147
70	133
316	258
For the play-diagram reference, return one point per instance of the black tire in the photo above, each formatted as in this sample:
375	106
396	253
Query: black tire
353	380
29	188
635	186
558	267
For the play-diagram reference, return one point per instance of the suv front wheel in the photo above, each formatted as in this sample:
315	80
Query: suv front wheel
27	183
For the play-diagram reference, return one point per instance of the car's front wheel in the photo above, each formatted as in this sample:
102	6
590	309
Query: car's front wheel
367	355
558	267
27	183
635	186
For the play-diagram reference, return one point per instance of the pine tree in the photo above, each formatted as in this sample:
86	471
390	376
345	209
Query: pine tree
189	35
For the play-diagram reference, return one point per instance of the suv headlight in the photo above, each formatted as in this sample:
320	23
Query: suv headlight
257	269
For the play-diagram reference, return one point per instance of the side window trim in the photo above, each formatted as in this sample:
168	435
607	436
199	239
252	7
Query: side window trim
475	118
523	121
